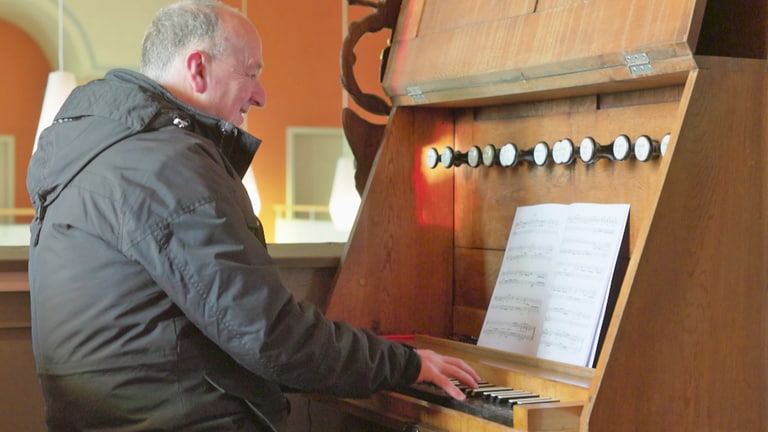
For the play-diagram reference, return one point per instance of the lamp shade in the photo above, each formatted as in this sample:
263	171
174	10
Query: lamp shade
344	200
60	85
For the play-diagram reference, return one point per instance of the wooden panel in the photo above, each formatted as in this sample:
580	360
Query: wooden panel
14	310
486	198
310	284
692	311
19	388
640	97
14	281
548	417
467	321
308	270
515	54
439	16
543	5
401	250
476	272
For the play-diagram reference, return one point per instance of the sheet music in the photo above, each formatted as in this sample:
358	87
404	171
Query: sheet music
552	288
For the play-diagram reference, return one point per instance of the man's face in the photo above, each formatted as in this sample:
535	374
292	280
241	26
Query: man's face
234	76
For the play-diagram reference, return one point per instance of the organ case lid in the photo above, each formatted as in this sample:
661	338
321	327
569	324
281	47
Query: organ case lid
450	54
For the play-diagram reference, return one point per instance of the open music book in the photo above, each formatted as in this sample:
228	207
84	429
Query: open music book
553	286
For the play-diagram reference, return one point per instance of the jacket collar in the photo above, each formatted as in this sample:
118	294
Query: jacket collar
153	106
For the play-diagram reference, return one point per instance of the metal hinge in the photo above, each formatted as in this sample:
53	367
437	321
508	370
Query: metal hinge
638	64
416	95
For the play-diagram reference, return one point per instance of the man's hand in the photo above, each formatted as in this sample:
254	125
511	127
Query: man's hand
439	369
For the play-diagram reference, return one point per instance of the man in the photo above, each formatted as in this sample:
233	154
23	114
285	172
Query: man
155	304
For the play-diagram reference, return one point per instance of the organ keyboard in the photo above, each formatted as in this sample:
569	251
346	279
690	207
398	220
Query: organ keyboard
679	350
489	402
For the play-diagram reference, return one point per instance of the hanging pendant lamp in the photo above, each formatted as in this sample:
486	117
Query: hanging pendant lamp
60	85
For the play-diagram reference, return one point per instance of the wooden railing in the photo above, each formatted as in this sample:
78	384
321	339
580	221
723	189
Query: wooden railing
23	211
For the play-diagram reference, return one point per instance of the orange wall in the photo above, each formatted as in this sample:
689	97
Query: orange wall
302	46
22	83
301	42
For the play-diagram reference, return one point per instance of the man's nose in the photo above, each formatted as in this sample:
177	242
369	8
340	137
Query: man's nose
259	95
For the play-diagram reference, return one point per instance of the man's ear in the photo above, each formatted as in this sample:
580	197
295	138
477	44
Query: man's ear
197	71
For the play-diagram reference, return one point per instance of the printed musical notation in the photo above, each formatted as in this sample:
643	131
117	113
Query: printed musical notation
551	292
519	331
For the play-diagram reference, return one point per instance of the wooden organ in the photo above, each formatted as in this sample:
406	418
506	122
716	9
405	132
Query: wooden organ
686	348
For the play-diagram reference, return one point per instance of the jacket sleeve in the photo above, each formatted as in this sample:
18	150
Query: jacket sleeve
198	248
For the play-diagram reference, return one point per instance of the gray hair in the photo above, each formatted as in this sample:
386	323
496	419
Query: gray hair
187	24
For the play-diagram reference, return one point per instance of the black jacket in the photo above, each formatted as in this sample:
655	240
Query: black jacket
154	305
